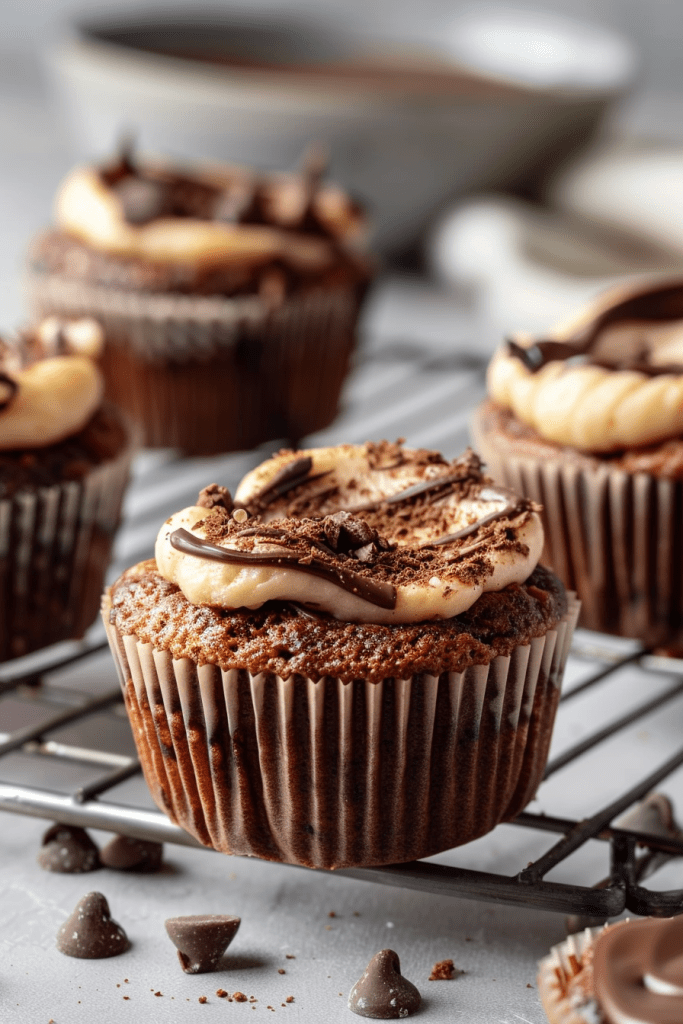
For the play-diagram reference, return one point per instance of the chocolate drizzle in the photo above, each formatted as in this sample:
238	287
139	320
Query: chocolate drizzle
286	479
427	487
512	505
659	305
8	391
381	594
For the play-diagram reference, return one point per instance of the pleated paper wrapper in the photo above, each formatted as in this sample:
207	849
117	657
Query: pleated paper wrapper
331	774
616	538
209	373
561	1004
55	548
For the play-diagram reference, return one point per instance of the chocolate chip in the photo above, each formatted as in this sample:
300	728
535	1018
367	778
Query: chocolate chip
123	853
382	992
201	939
345	532
68	850
215	496
90	933
142	199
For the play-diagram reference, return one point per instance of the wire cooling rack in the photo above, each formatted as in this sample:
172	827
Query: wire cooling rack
66	751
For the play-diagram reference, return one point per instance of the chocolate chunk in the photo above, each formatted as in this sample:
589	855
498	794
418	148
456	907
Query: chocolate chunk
90	933
123	853
201	939
68	850
383	993
142	199
345	532
215	496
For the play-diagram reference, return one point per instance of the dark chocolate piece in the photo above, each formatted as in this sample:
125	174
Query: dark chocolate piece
68	850
201	939
124	853
8	391
381	594
346	532
90	933
215	496
383	993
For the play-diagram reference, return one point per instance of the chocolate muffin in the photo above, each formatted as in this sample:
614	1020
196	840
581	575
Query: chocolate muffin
356	663
64	461
589	422
630	971
222	293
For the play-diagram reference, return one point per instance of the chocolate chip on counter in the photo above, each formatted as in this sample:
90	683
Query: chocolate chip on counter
123	853
382	992
201	939
215	496
68	850
89	933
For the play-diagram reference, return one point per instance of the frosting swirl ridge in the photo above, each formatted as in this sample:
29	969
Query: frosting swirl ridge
366	533
610	380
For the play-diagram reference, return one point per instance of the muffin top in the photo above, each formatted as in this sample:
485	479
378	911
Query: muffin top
610	381
364	533
151	211
50	384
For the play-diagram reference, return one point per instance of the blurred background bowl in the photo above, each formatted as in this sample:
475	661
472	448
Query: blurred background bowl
407	128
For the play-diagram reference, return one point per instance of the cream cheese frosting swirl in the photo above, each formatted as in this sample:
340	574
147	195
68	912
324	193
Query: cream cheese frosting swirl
608	381
49	390
365	533
151	213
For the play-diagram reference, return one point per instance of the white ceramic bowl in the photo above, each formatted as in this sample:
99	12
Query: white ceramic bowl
405	132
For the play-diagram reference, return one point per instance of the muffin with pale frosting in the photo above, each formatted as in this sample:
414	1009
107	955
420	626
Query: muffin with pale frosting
64	460
627	973
589	422
222	292
356	661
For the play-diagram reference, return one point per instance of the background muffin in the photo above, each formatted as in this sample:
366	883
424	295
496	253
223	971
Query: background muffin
358	664
64	461
223	295
589	422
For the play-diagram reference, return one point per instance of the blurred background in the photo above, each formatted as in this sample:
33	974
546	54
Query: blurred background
514	157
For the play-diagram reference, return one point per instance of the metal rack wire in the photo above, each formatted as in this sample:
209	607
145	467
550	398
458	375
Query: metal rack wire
375	401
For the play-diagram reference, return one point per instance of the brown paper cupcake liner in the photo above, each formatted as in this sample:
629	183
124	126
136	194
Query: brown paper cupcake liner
55	547
555	971
616	538
328	774
209	374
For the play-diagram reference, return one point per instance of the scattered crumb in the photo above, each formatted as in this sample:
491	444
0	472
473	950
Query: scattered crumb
202	999
467	938
444	970
239	997
289	999
332	914
356	914
328	927
528	985
158	993
281	970
289	956
118	985
221	993
126	997
126	982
